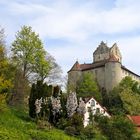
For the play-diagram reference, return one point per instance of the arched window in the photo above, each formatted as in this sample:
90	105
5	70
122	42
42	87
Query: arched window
92	103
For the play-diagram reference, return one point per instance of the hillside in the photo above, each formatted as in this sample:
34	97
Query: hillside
16	125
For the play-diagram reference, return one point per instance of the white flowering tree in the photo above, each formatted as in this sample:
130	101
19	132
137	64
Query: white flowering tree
56	107
71	104
38	106
82	107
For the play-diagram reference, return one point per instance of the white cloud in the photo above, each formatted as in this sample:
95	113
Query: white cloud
81	24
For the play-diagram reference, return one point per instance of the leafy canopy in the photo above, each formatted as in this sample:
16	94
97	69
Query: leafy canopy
87	87
125	98
5	78
29	54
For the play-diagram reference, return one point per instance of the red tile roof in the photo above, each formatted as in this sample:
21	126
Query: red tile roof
76	66
83	67
135	120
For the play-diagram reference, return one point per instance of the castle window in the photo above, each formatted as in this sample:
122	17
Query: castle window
92	103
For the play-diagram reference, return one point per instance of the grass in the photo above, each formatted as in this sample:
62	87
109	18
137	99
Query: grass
16	125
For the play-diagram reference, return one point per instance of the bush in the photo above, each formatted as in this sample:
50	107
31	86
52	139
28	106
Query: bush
117	127
62	124
77	122
70	131
88	132
42	124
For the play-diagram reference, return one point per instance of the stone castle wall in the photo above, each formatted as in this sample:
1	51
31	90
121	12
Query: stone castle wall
99	57
109	74
112	75
73	78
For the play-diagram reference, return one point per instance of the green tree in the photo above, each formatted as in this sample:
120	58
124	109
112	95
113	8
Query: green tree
33	97
128	82
129	94
5	67
113	102
41	67
28	52
29	59
123	99
131	101
118	127
88	87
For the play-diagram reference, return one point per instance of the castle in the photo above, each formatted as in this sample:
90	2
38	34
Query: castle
107	68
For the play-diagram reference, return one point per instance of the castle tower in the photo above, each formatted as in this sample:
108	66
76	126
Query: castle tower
106	67
101	53
112	73
114	51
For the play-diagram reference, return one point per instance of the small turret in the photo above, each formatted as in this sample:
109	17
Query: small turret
115	52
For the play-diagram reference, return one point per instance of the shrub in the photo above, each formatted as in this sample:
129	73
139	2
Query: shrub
62	124
70	131
116	128
88	132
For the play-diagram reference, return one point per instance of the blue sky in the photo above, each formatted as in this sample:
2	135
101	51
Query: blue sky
72	29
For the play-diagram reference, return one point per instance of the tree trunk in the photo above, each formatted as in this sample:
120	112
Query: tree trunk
17	98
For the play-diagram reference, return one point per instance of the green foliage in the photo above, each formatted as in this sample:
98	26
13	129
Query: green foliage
131	101
63	99
113	102
28	53
70	130
62	123
74	125
16	125
56	91
77	121
123	99
126	82
91	133
37	91
91	117
88	133
32	99
129	94
5	68
129	83
45	92
117	127
87	87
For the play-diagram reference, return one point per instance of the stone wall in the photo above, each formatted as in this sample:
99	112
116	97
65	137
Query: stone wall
99	57
73	78
112	75
127	73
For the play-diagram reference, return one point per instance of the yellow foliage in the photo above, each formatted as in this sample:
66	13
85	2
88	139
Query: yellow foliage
5	85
